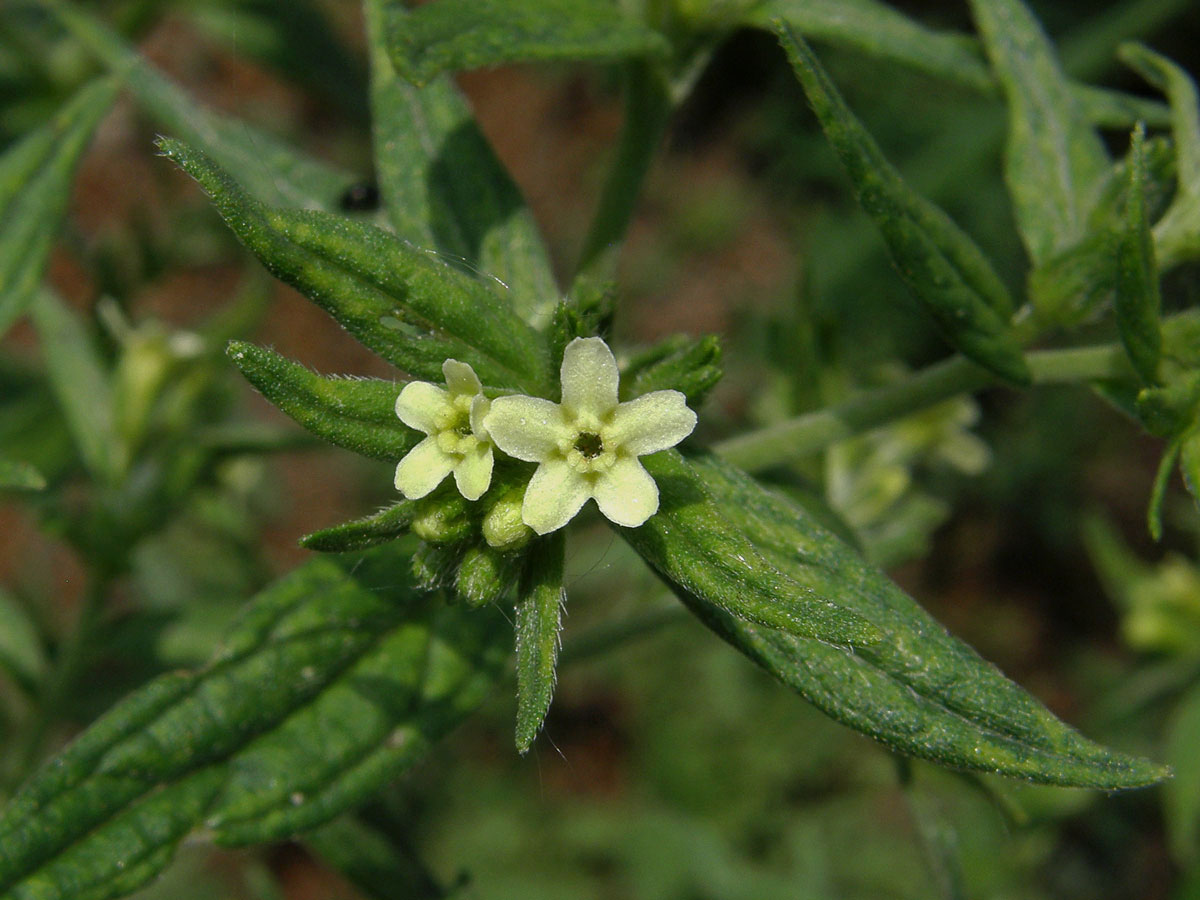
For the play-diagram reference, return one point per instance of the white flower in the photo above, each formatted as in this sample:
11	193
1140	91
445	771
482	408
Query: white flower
457	441
588	445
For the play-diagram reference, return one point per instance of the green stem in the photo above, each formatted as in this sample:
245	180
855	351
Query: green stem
647	109
815	431
61	680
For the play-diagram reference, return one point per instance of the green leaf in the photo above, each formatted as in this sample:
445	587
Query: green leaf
1177	233
450	35
1055	162
444	188
1137	301
882	31
339	677
358	414
81	385
269	168
35	184
20	476
20	646
682	364
942	266
916	688
386	525
1181	795
692	545
1158	491
406	305
539	620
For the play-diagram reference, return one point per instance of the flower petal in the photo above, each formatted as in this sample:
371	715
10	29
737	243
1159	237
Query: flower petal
589	378
420	404
473	473
650	423
555	494
480	407
626	493
528	428
461	378
423	469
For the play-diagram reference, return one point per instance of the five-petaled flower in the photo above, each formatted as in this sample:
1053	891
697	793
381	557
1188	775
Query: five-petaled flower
457	441
588	445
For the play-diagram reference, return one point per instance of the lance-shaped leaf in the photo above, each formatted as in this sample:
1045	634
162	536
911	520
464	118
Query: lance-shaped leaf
35	184
941	265
1055	162
1177	233
81	385
444	188
539	621
449	35
1137	300
270	169
338	678
18	475
358	414
916	689
384	526
691	544
403	303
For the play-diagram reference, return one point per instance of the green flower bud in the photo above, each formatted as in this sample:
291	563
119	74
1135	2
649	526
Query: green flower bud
503	527
442	519
485	575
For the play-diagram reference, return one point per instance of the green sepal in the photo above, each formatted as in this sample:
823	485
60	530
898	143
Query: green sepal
450	35
945	270
486	575
338	678
1137	300
433	566
386	525
586	312
17	475
1189	461
353	413
407	305
1056	166
538	622
696	549
1158	490
916	688
1168	411
35	185
692	366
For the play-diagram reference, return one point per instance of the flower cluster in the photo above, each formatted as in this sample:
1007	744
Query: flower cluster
586	446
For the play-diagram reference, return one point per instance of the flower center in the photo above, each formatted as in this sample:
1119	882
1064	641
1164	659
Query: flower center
589	445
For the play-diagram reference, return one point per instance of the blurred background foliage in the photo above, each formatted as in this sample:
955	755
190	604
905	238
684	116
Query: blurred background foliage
670	768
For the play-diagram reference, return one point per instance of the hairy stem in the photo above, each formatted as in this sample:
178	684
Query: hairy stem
815	431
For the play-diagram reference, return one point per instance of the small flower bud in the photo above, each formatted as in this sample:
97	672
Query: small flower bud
503	527
485	575
442	520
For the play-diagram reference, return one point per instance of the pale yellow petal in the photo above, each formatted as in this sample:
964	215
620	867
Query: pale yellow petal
423	469
626	493
650	423
474	473
461	378
555	494
528	428
480	407
589	378
420	405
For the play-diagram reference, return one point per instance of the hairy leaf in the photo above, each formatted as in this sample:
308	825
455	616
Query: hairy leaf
358	414
35	184
1055	162
916	688
444	188
449	35
694	547
1137	300
338	678
386	525
269	168
539	620
943	267
406	305
81	385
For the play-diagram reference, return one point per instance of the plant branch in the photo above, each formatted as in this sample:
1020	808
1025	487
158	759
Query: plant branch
815	431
